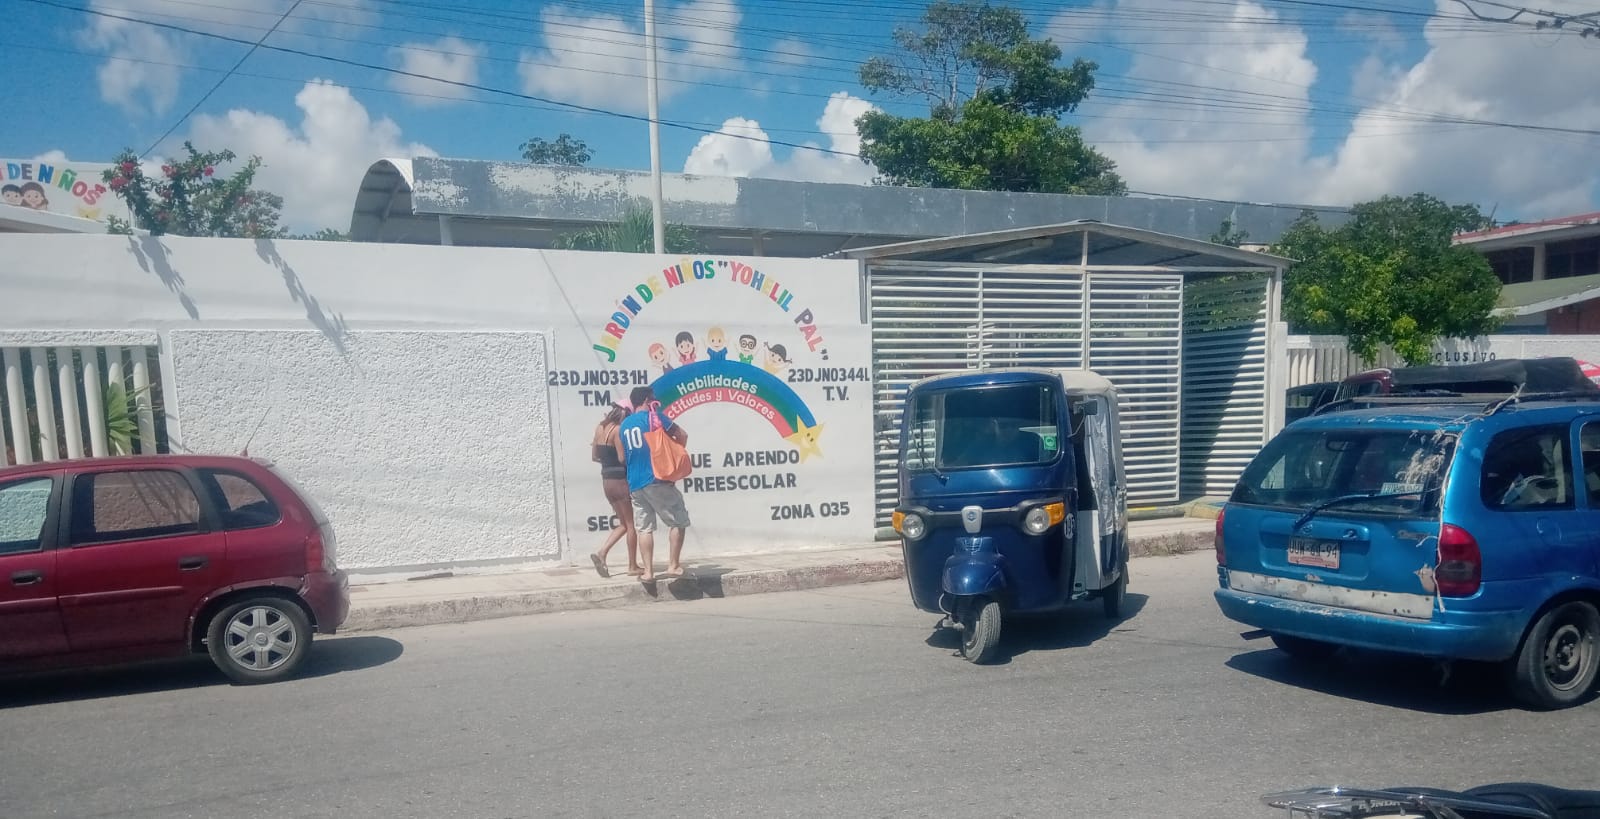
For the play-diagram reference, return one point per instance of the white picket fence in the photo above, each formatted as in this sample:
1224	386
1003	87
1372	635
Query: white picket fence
1311	359
56	395
1327	358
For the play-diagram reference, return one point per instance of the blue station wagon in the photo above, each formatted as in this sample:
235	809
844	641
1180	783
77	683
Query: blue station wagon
1458	530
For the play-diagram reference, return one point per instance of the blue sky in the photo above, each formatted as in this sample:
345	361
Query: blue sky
1265	100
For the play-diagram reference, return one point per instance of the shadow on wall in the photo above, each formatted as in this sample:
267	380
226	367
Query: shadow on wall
152	258
331	325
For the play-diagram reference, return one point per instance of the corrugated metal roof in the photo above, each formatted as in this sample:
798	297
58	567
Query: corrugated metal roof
1528	298
1116	245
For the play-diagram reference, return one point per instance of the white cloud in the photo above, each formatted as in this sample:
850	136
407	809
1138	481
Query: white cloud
1504	79
451	59
151	89
741	147
1168	148
315	165
599	59
55	156
1247	134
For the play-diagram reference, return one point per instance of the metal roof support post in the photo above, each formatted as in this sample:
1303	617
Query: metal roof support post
446	235
657	219
866	292
1277	364
1083	325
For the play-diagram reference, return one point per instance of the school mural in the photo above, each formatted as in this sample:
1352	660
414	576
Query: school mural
765	363
70	189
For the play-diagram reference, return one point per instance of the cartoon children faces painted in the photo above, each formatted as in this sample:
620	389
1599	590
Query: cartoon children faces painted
777	358
33	196
684	341
716	345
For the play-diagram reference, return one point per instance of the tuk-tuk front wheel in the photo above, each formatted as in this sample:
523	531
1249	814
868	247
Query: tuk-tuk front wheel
980	628
1111	598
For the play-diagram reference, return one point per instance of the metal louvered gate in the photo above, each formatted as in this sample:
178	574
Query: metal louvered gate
1225	366
929	318
1136	341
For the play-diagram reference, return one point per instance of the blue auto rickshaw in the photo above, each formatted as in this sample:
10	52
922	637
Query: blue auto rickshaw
1012	497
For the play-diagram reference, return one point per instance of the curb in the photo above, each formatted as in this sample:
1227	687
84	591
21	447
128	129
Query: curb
545	601
729	584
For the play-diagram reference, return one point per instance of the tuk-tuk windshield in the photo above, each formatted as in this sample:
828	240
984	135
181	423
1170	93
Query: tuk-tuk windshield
1005	425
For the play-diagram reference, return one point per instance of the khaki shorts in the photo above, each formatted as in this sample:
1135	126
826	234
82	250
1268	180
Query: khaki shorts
659	500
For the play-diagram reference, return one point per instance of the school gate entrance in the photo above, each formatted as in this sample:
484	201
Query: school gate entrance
1179	325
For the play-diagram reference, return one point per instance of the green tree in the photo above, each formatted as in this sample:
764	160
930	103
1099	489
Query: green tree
191	199
996	96
565	150
324	235
1390	275
635	233
1229	234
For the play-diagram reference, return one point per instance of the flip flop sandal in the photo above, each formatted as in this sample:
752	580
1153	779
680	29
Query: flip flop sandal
599	565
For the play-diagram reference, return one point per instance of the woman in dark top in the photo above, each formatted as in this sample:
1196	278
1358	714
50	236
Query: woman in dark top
614	480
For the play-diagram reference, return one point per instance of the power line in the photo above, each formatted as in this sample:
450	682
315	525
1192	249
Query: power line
222	79
601	111
402	72
714	125
1108	92
1584	25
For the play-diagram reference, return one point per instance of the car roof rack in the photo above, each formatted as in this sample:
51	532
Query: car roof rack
1412	399
1491	402
1522	398
1350	803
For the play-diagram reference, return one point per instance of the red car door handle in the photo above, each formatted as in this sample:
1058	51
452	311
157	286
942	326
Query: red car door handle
27	578
189	564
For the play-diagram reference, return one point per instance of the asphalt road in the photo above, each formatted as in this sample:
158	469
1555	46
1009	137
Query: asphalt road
797	704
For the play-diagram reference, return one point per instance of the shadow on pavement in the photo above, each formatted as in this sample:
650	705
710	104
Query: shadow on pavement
329	656
1079	625
1398	681
704	580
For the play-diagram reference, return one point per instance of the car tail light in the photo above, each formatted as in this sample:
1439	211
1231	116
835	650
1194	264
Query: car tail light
322	550
1217	541
1460	569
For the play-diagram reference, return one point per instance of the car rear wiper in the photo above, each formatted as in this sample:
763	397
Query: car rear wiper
1344	499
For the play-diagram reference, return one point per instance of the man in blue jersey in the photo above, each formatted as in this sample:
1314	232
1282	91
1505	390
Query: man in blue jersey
653	500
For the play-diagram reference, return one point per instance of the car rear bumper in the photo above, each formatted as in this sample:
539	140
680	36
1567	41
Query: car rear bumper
328	594
1488	636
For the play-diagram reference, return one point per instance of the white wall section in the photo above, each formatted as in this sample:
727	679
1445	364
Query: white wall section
423	447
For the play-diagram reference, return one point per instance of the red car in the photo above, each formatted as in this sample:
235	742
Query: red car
111	560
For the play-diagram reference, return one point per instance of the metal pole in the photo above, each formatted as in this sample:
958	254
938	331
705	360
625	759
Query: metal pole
655	127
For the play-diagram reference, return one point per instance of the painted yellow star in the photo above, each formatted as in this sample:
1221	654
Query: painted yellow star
805	438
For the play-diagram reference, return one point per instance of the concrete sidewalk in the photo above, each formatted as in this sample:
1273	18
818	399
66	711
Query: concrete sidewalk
485	596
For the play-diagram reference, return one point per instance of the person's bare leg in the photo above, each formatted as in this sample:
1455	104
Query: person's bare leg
633	545
611	540
647	553
624	512
674	551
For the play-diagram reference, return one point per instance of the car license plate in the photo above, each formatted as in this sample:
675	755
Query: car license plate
1309	551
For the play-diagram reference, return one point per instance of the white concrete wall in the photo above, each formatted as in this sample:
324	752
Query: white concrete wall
427	447
1310	359
438	401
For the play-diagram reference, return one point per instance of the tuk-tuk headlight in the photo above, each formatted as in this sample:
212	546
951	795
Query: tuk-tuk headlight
1040	518
910	525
